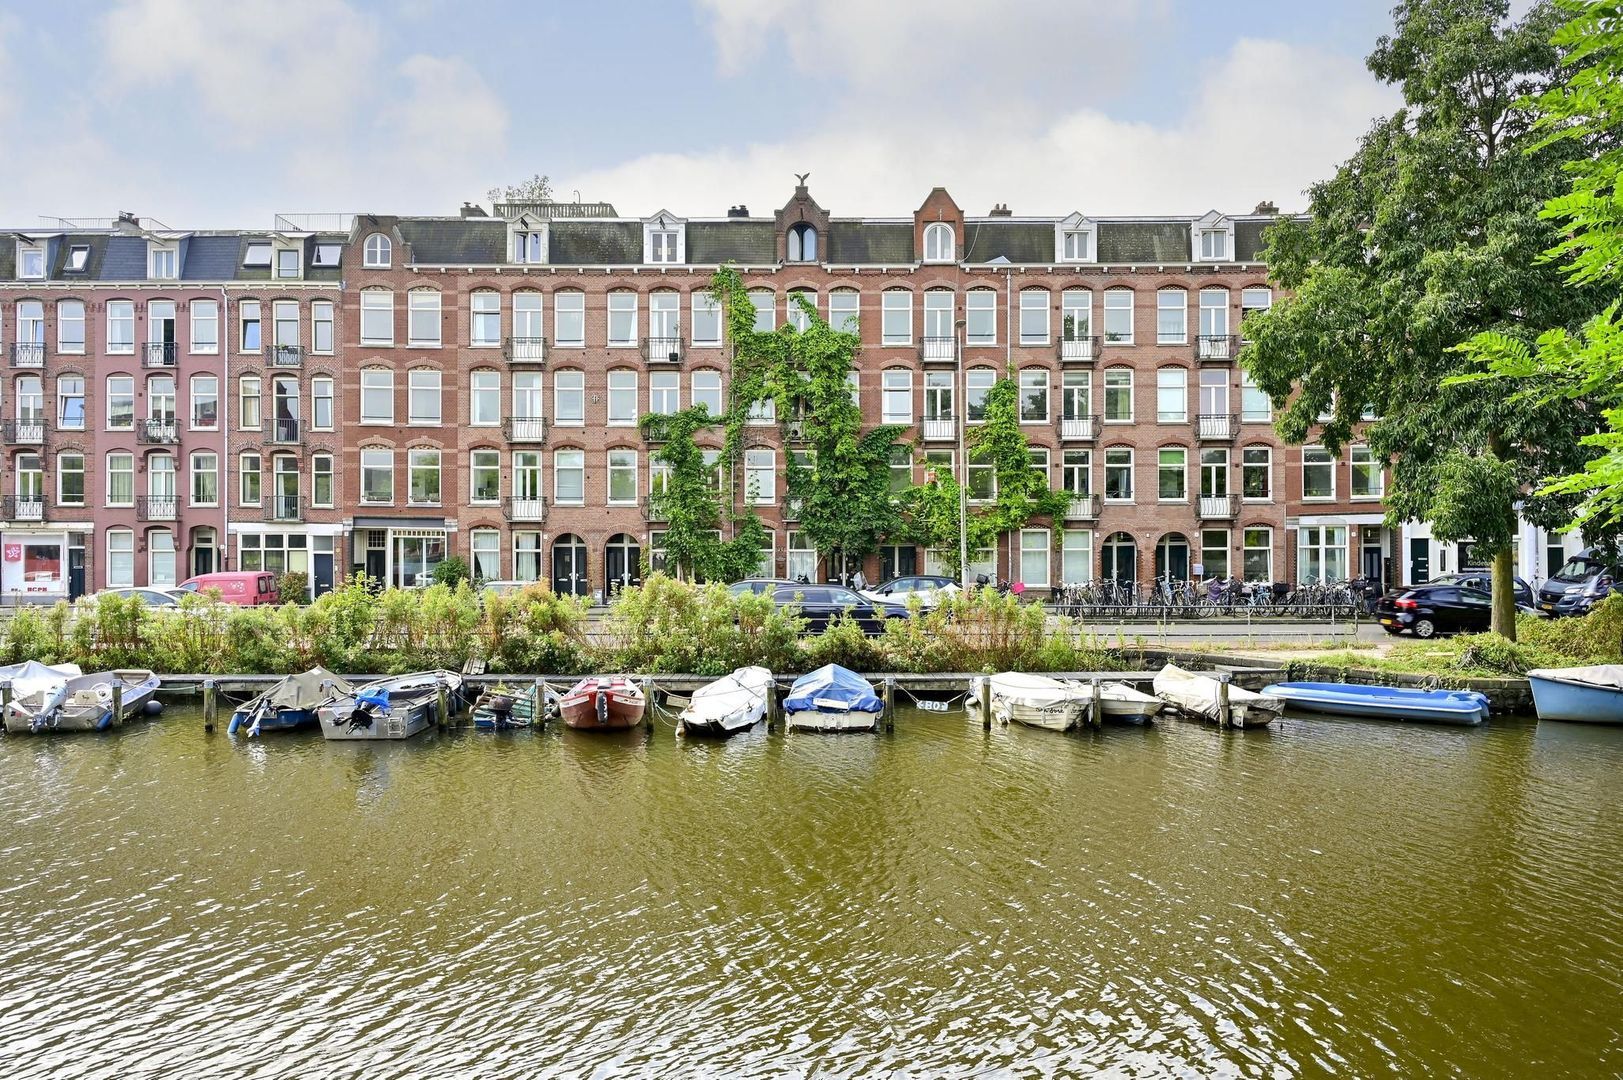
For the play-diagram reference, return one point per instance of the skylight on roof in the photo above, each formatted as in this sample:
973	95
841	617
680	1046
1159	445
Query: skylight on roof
258	254
327	254
78	258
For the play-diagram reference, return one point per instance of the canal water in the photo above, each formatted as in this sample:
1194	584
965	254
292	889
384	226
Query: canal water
1325	898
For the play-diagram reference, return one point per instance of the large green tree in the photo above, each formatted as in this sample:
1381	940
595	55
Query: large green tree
1427	236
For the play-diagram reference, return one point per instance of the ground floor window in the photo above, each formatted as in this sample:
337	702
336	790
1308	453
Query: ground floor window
275	552
1214	553
768	557
801	561
1259	554
527	556
161	557
1322	553
485	554
1076	556
983	561
120	558
1034	557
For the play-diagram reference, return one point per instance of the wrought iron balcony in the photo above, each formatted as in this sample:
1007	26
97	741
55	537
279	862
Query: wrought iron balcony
28	354
526	508
1217	347
938	429
284	355
651	510
156	507
1083	508
525	429
1079	350
284	508
157	432
1217	507
525	350
285	431
1217	427
23	432
1078	428
23	508
794	431
662	350
158	354
938	350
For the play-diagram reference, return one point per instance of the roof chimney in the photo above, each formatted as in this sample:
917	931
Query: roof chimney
473	210
1267	206
738	211
128	222
1001	210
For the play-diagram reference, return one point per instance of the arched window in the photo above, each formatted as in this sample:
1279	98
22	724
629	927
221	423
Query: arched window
938	245
377	251
802	243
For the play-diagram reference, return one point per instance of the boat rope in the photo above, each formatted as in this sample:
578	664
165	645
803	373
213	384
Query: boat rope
951	702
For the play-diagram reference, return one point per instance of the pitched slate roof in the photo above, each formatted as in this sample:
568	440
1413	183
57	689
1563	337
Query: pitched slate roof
859	243
97	243
1143	241
1017	241
752	243
1249	239
594	243
124	260
473	241
211	258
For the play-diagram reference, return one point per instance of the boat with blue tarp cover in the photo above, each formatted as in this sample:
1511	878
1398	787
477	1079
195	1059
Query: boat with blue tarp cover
832	698
1464	707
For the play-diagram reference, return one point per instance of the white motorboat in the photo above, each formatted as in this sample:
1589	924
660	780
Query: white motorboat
1128	705
1060	704
83	702
1198	695
728	705
832	698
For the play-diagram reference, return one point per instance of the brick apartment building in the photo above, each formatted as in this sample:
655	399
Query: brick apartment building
417	387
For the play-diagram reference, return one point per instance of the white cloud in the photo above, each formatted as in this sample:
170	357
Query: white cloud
1266	122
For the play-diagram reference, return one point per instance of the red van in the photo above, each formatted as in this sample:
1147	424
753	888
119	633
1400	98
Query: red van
246	587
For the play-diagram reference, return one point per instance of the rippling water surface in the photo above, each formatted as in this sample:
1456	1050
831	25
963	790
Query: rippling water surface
1323	898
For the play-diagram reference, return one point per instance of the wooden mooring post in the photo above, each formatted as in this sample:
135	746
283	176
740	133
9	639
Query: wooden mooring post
5	698
442	702
648	704
118	701
539	716
1097	719
210	703
889	715
1224	716
986	703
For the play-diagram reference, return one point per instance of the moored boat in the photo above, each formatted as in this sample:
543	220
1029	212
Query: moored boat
1461	707
1199	696
729	705
1034	700
1128	705
393	708
832	698
289	704
85	702
1589	695
32	683
603	703
501	709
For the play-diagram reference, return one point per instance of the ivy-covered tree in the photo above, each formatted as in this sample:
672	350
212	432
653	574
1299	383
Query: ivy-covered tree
691	504
841	491
1427	236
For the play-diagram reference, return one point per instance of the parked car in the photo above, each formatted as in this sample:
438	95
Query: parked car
246	587
1482	578
821	604
1581	583
1428	610
929	588
758	585
150	597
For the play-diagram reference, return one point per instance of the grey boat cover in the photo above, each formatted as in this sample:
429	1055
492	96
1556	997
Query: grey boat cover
1607	676
31	678
302	691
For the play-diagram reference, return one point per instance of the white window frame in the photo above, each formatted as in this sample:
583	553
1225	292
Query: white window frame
1168	301
618	462
423	306
424	381
1105	389
1361	454
894	303
705	325
622	308
1171	380
622	390
485	386
117	578
377	252
576	387
896	385
568	305
940	243
1028	548
204	313
484	314
1318	464
120	312
1034	301
845	310
1129	307
377	304
382	381
577	464
761	463
980	317
487	460
65	345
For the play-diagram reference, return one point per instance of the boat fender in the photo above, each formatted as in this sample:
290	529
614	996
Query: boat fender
152	707
105	722
602	707
234	725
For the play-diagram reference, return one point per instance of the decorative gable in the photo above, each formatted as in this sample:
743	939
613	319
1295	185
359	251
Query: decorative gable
528	239
1212	238
1076	239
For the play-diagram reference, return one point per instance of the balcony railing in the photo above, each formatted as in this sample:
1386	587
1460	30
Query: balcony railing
525	350
156	507
284	355
23	508
1079	350
794	431
284	508
1217	346
1217	427
936	350
525	429
1083	508
1217	507
662	350
285	431
27	354
651	510
938	429
158	354
157	432
22	432
526	508
1078	428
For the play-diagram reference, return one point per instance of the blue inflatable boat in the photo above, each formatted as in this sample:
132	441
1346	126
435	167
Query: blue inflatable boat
1383	702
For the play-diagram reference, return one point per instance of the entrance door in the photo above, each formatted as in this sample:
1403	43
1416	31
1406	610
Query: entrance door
76	572
1119	559
1419	560
622	563
569	566
321	572
1172	557
898	560
203	547
376	565
1369	561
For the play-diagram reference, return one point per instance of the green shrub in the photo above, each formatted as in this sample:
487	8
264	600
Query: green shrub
534	631
843	642
293	586
450	571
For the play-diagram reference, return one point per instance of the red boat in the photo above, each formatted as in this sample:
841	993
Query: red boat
603	703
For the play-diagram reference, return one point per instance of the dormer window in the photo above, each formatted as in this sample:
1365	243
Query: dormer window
78	258
287	263
257	255
377	252
530	247
31	262
664	239
327	255
163	264
662	246
938	245
1214	244
802	243
1074	246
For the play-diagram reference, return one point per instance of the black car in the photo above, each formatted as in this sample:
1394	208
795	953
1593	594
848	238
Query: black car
821	604
1479	578
1428	610
757	586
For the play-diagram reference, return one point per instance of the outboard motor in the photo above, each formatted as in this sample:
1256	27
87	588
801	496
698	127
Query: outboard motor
365	705
602	706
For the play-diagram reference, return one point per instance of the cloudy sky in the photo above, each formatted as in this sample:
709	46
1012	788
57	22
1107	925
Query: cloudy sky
206	113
